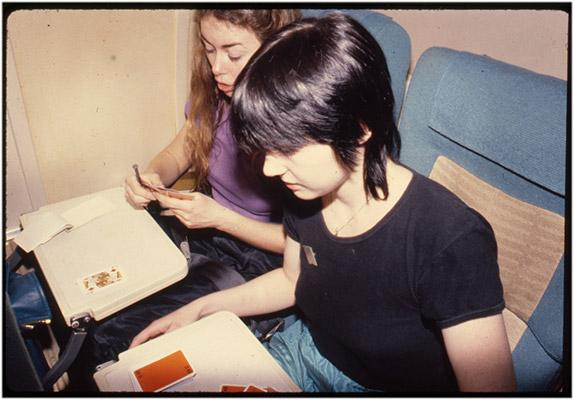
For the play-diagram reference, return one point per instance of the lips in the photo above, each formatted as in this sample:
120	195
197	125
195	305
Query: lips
291	186
224	88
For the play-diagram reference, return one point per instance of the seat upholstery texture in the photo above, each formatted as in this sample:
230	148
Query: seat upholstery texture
504	129
392	38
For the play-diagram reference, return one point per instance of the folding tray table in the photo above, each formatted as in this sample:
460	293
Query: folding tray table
221	350
127	240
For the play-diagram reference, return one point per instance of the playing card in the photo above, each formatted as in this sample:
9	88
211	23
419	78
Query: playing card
254	389
163	373
97	281
233	388
242	389
182	195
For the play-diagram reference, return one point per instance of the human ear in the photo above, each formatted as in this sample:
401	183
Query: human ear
367	133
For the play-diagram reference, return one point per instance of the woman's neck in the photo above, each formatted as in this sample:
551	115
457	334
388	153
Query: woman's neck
350	211
350	193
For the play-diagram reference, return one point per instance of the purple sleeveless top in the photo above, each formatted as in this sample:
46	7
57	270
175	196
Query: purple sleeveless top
235	182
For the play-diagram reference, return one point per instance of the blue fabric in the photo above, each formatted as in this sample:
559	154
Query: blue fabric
394	41
295	351
535	370
421	144
493	107
20	374
547	321
27	298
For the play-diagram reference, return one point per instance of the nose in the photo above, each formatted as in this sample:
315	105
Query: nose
217	66
272	166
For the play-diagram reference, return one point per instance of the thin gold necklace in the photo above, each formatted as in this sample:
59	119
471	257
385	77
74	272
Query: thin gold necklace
337	230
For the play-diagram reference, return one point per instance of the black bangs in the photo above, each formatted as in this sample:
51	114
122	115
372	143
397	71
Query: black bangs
262	125
269	113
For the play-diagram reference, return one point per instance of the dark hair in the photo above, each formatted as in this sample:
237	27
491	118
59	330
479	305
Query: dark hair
319	81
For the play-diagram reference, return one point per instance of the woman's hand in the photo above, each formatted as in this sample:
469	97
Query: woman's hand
268	293
137	194
200	211
170	322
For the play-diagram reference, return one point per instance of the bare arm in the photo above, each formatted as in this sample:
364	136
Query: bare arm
204	212
265	236
480	355
163	170
267	293
172	161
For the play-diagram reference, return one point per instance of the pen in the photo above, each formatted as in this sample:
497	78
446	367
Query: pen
135	167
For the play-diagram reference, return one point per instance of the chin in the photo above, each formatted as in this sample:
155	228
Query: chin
303	195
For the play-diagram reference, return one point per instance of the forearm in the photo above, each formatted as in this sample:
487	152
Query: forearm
172	161
265	294
273	291
263	235
167	167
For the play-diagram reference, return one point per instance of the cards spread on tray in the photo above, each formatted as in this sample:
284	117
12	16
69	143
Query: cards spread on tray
163	373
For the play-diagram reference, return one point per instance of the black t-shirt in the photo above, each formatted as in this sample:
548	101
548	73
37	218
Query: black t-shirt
376	303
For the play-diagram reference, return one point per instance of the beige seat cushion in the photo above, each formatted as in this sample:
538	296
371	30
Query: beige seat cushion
530	241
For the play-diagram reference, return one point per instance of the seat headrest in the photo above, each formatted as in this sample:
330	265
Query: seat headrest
509	115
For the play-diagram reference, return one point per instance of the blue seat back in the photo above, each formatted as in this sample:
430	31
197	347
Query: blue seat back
394	41
506	126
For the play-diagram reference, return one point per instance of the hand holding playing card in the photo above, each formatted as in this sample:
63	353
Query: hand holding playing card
196	211
138	194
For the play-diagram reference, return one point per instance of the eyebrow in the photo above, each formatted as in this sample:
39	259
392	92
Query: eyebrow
225	46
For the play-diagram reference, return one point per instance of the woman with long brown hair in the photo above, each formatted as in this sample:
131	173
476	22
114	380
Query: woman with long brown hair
232	220
228	39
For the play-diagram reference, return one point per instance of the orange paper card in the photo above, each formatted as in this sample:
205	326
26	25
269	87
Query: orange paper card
254	389
163	373
232	388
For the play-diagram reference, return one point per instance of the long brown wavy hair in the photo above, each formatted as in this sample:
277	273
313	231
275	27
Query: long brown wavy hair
206	99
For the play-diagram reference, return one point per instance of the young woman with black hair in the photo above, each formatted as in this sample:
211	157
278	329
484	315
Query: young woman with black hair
396	277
